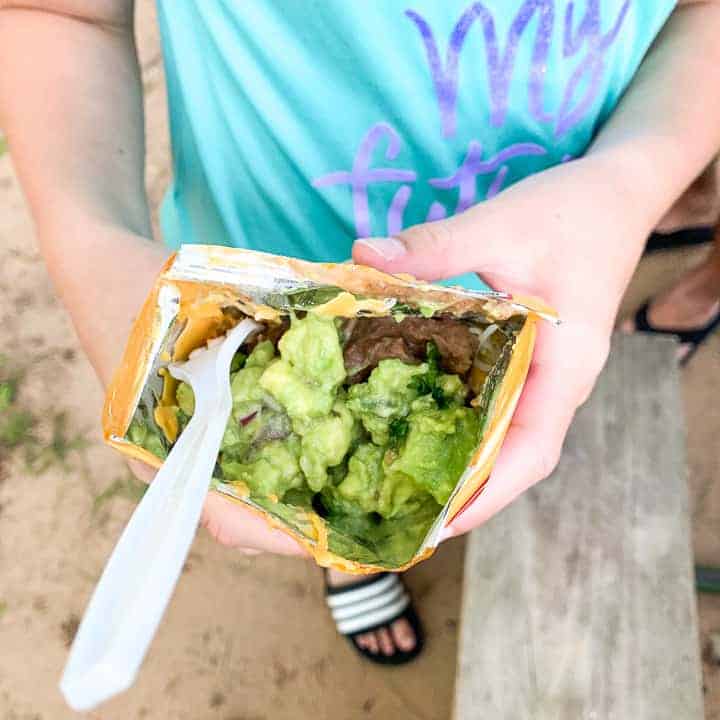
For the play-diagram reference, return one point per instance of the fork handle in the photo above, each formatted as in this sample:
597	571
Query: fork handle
139	579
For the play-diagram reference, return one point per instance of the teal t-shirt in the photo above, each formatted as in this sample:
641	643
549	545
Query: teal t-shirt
300	125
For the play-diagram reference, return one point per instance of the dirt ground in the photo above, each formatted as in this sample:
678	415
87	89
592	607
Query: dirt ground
244	638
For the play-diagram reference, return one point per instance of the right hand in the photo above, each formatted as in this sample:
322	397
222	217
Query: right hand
579	259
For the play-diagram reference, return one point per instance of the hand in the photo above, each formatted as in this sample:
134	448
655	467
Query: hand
571	236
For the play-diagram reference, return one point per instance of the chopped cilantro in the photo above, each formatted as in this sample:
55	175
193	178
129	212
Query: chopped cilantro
398	430
428	383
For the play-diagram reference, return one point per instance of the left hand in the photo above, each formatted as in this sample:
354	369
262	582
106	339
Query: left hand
571	236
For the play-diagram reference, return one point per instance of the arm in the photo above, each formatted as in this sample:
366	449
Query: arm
71	107
573	235
72	111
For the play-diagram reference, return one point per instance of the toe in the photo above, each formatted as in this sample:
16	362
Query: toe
363	641
683	351
372	643
403	635
385	641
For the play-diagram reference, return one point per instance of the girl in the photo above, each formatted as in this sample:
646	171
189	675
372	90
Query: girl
533	143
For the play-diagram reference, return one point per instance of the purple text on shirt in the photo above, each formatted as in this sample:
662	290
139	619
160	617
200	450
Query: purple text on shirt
501	66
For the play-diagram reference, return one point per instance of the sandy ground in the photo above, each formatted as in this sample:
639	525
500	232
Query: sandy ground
244	639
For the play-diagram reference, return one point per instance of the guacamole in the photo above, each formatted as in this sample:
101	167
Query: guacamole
376	452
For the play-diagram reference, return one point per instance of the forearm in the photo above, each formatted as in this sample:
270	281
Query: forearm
667	126
71	108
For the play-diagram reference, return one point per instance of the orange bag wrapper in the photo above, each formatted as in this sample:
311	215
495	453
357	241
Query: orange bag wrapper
204	290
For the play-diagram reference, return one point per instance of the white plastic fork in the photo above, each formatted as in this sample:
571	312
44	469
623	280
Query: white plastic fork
137	583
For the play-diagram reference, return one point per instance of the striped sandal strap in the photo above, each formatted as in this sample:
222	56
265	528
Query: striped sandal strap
367	604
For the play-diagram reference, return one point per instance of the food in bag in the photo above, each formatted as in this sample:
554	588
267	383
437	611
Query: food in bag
367	411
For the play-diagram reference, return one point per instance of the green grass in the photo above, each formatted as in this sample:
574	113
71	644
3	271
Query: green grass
18	426
127	487
57	452
8	391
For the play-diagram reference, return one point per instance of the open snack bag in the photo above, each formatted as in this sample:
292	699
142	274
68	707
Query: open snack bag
366	413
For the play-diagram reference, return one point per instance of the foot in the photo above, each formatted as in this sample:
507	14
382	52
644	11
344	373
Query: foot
690	304
397	636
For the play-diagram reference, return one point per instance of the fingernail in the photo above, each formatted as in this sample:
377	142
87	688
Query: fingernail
389	248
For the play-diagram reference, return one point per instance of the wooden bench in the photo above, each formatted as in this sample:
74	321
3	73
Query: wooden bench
578	600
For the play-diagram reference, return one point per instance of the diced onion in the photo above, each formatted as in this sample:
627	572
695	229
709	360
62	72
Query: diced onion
248	418
489	330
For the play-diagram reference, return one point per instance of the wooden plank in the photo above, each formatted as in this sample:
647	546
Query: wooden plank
578	600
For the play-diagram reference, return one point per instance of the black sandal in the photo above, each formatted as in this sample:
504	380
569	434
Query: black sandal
694	337
707	579
370	604
685	237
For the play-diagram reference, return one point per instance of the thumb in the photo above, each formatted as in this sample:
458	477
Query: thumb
434	250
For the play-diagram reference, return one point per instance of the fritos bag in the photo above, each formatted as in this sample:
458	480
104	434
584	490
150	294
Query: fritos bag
381	503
